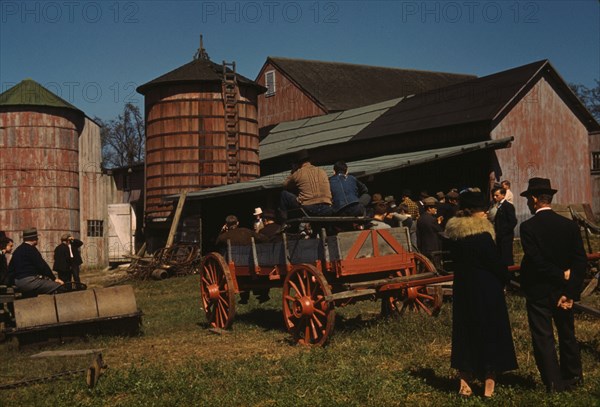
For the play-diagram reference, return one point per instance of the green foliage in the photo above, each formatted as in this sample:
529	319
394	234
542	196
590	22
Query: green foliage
370	361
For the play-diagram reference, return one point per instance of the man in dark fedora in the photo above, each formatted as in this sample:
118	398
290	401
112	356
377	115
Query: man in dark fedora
67	259
31	273
307	187
552	273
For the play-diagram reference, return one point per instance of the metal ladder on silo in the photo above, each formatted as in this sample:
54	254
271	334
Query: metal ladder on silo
232	126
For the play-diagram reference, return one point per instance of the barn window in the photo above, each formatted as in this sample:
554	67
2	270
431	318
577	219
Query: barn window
95	228
270	83
596	161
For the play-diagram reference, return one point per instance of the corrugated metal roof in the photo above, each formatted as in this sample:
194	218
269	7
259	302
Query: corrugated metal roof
30	93
361	168
342	86
289	137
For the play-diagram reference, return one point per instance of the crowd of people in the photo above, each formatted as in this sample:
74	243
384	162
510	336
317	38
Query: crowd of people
31	274
477	234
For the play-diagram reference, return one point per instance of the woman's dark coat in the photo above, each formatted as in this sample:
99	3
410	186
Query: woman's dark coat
481	334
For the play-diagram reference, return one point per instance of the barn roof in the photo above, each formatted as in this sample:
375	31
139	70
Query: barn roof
30	93
340	86
361	168
198	70
488	98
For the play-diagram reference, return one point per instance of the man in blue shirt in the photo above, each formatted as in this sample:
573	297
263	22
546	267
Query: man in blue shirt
349	195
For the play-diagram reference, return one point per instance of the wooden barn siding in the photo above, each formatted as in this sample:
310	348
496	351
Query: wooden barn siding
39	160
595	179
93	195
288	103
186	146
550	142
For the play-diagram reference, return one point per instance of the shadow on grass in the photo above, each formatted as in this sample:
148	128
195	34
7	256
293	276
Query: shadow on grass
356	323
591	347
450	385
267	319
441	383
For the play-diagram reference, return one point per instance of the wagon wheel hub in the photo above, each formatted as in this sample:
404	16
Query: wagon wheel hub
213	292
412	293
303	307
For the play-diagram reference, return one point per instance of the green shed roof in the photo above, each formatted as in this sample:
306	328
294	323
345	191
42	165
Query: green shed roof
361	168
333	128
30	93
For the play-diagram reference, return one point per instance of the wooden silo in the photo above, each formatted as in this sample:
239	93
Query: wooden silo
201	132
39	163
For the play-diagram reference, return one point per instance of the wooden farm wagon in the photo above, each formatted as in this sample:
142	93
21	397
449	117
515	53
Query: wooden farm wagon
320	274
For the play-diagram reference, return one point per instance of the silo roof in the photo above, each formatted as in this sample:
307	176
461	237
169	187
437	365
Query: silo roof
199	70
30	93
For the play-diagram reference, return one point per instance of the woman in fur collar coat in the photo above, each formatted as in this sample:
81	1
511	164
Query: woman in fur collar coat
482	343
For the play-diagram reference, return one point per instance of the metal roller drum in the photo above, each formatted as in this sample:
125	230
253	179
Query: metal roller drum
115	301
73	307
76	306
36	311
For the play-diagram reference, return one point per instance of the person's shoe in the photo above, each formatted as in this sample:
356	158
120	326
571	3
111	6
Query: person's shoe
465	390
489	387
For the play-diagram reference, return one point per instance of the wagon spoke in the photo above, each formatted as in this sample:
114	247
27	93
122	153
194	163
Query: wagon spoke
298	293
306	331
314	329
317	321
210	271
423	306
318	311
301	283
289	298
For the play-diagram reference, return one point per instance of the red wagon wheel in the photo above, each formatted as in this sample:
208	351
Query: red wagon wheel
217	289
307	315
418	298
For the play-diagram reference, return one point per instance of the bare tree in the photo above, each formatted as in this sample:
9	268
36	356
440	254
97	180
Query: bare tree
589	97
123	138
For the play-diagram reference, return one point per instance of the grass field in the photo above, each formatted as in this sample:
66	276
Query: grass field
369	361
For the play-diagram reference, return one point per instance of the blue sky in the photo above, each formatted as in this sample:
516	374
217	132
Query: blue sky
95	53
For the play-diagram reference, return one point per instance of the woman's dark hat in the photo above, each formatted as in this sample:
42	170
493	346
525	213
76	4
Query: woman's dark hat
539	186
30	234
269	214
472	200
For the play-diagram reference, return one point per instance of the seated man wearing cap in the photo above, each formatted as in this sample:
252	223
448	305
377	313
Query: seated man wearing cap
312	187
29	270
